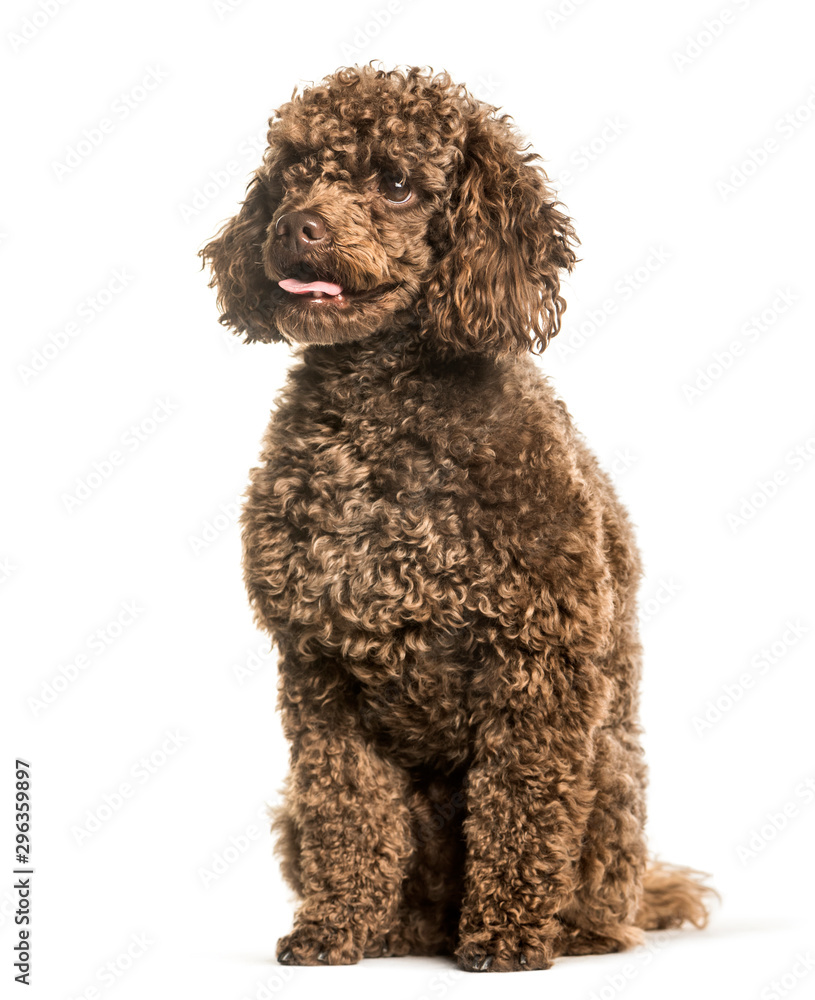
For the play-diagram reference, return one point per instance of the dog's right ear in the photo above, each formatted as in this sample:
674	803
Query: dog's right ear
235	256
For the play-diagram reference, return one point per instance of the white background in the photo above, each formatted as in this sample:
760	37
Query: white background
641	110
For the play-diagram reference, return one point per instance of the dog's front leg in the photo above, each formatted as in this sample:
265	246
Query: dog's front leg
348	810
528	799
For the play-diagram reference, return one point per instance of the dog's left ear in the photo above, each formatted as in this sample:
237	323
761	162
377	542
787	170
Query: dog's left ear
496	286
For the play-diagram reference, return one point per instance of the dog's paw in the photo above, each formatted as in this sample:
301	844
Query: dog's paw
501	954
319	944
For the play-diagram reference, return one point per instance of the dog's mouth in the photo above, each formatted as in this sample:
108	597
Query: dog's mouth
315	290
325	294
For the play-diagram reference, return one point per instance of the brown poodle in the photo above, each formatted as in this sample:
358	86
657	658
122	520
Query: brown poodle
448	575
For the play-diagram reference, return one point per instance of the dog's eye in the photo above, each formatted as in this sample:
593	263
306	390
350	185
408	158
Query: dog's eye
394	188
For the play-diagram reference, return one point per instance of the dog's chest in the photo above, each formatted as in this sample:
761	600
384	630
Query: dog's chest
360	527
363	545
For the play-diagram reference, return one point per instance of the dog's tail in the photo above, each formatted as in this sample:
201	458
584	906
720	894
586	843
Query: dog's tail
673	896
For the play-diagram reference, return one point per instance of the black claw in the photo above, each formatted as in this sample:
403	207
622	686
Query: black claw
481	965
286	957
323	957
522	960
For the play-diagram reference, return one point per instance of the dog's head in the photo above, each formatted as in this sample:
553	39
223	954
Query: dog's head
390	198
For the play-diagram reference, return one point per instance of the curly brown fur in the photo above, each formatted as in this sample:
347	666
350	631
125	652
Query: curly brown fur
448	575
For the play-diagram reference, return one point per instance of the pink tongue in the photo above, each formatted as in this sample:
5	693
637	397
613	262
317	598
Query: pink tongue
302	287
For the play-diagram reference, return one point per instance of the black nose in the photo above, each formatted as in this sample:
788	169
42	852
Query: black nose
301	230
